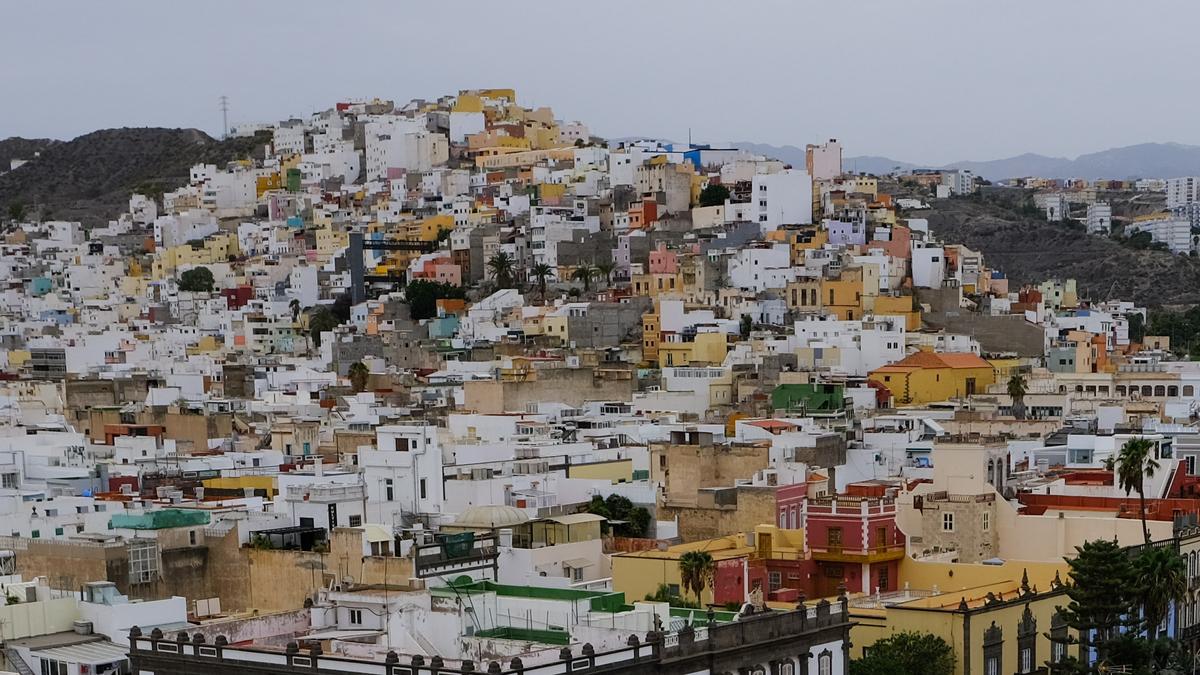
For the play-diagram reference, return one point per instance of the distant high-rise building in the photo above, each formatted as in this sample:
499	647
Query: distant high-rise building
824	162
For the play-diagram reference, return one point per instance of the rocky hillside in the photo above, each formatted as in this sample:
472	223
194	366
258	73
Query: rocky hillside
1028	249
91	177
21	148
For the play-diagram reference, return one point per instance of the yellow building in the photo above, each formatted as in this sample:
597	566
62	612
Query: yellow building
651	326
899	305
1002	626
851	295
329	241
929	377
640	573
707	349
216	248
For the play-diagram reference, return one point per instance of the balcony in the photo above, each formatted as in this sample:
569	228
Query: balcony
873	554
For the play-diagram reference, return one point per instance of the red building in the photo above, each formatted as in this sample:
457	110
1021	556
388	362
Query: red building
853	540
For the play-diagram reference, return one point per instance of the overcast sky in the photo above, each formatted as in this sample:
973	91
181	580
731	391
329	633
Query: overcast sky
927	81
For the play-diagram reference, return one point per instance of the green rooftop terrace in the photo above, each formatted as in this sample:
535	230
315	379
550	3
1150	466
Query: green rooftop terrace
159	520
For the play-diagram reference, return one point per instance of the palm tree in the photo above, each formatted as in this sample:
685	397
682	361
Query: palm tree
359	374
605	270
501	266
695	569
541	271
1161	579
584	273
1017	391
294	305
1135	463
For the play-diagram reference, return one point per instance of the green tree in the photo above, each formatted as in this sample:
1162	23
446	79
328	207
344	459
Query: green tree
322	320
501	267
1135	463
746	325
906	653
359	374
695	570
541	271
1137	326
196	280
341	307
1101	596
1017	391
1161	579
294	305
16	212
605	270
713	194
585	273
422	296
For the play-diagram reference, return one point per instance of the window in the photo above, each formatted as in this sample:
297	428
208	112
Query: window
825	663
192	537
947	522
388	490
58	531
673	589
355	521
987	522
8	481
356	617
307	522
883	578
774	581
422	486
36	534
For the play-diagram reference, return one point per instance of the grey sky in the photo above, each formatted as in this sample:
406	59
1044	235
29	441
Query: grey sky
927	81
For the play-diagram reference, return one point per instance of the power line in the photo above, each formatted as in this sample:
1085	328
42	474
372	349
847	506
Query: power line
224	106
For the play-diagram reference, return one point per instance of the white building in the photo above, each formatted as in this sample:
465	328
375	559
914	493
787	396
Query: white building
1182	191
781	198
1099	218
825	160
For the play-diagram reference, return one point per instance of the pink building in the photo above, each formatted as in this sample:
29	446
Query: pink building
663	261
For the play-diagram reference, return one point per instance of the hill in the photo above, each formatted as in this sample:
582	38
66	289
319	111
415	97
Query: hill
90	178
21	148
1030	250
1146	160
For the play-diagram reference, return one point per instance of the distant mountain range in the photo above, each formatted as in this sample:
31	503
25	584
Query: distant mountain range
1146	160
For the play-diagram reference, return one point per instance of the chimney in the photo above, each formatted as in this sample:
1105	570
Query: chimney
506	537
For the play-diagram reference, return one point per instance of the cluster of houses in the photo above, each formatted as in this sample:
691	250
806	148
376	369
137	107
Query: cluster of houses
455	385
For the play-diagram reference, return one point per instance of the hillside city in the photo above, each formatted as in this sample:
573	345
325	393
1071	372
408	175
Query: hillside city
455	385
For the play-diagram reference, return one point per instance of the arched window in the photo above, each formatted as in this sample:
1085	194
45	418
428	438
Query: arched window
1147	390
1120	390
1189	390
1172	390
1160	390
786	668
825	663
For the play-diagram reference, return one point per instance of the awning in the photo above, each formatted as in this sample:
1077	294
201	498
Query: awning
98	652
934	426
577	563
577	518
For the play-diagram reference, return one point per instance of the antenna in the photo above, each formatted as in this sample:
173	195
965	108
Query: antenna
224	106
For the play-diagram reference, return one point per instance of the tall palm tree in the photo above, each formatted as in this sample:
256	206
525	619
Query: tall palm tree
359	375
294	305
1161	579
501	266
695	570
542	271
1135	463
1017	391
584	273
605	270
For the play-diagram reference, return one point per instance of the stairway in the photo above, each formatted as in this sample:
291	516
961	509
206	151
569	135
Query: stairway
17	663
